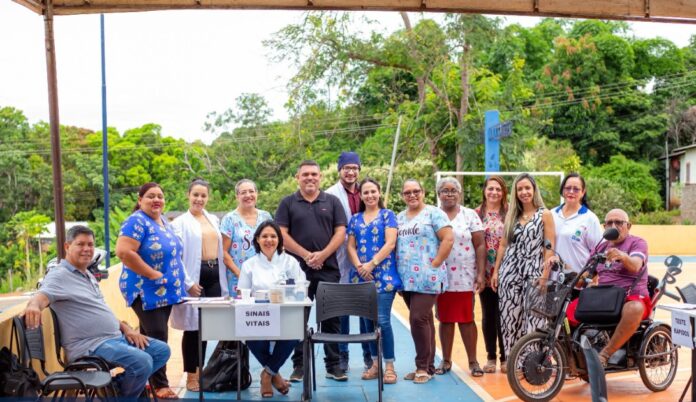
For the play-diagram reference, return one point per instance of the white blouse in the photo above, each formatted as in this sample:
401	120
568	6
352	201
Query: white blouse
260	274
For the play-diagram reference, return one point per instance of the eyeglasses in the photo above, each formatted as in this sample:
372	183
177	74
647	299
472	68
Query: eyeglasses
410	193
572	189
617	223
449	192
350	169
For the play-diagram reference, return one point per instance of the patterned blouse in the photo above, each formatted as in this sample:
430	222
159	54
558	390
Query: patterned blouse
494	224
369	239
416	247
242	236
461	262
161	249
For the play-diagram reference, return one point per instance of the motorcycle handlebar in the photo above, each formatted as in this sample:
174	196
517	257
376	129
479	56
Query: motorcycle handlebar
672	295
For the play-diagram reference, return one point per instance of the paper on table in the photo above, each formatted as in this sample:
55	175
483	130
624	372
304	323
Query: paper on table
188	298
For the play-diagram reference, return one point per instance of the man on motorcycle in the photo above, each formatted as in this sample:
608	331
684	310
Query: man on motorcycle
626	258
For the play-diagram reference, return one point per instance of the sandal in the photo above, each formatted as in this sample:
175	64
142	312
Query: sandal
422	378
475	369
444	368
166	393
192	383
371	373
389	376
410	376
503	367
280	384
489	367
266	387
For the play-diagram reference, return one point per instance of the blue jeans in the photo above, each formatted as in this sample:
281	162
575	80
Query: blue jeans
384	307
345	329
273	360
138	364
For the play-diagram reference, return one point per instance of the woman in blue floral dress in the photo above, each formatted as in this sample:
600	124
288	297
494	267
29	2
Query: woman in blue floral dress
424	240
371	242
237	228
153	274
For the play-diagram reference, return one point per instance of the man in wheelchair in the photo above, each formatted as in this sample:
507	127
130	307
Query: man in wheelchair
626	258
88	327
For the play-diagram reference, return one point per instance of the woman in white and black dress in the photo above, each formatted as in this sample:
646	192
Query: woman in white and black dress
521	257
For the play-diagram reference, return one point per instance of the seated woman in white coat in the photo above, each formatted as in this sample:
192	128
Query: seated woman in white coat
267	268
205	272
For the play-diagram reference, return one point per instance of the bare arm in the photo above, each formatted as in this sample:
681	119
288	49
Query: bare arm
291	245
339	236
383	253
446	237
127	251
631	263
498	261
352	251
32	313
479	241
550	235
227	258
133	337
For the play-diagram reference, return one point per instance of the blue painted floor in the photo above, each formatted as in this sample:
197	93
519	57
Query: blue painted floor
445	388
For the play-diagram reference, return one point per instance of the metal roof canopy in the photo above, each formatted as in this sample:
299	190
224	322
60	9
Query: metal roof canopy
680	11
674	11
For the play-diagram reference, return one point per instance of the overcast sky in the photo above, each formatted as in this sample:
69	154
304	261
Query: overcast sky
171	68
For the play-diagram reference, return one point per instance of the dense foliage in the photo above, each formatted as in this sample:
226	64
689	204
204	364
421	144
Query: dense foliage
582	95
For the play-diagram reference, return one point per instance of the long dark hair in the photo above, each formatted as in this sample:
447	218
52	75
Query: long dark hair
380	203
583	201
257	234
144	189
503	199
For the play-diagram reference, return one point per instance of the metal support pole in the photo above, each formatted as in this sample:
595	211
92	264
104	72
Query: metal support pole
55	128
105	148
393	160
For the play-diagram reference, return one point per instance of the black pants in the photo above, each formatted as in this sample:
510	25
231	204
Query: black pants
153	323
210	282
490	323
331	326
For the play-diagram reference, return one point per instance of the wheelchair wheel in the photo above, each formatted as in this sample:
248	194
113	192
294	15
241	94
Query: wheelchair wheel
658	359
531	375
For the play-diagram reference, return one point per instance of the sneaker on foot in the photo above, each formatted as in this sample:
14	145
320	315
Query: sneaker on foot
343	361
336	374
297	374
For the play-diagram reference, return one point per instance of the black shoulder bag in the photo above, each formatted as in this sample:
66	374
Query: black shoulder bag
603	304
220	374
17	378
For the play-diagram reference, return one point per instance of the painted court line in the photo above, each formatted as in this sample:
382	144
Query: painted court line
463	376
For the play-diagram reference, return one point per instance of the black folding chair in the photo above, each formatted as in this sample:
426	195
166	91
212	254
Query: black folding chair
598	381
351	299
88	362
86	377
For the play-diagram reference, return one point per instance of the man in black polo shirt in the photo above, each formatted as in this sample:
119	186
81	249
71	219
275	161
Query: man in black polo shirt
313	224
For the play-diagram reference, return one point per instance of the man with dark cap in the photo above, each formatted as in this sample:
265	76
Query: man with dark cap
346	190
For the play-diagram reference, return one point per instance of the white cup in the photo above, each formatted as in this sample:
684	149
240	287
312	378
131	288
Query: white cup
246	294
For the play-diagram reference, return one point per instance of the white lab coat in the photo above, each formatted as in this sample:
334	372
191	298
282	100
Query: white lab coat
344	264
188	229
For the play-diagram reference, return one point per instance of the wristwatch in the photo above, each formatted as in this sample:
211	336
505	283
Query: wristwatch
375	262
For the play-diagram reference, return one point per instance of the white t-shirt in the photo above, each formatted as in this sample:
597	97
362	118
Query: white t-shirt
576	236
260	274
461	262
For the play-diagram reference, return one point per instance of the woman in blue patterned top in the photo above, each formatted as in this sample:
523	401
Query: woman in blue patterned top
237	228
153	274
424	240
371	242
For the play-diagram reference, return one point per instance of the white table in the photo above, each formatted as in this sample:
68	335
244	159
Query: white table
216	321
691	315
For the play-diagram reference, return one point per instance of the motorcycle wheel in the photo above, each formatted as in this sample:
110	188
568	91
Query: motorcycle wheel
530	378
658	366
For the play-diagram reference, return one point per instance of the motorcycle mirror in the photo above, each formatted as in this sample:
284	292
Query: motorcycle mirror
611	234
673	261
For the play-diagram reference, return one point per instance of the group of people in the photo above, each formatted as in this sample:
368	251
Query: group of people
436	258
